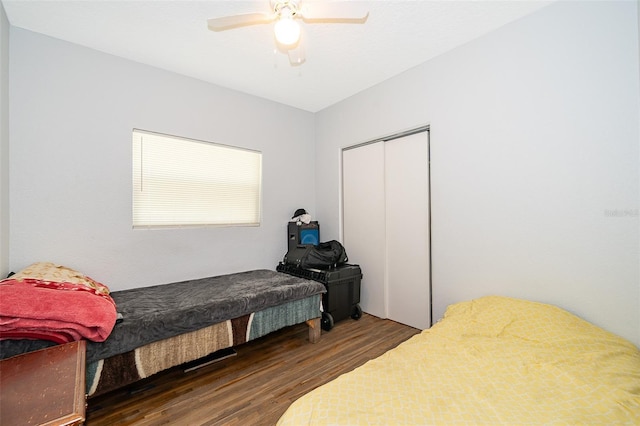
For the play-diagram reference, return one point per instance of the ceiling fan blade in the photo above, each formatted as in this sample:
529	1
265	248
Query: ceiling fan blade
236	21
296	55
344	12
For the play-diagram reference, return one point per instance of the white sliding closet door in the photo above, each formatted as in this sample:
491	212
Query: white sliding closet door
386	226
364	219
407	230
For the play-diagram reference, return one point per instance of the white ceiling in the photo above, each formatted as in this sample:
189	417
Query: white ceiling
342	59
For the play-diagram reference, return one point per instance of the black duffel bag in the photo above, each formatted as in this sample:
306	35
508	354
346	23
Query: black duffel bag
325	255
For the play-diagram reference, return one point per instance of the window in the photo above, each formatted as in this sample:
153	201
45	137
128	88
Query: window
184	182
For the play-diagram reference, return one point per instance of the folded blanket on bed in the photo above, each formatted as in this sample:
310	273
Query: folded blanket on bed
52	302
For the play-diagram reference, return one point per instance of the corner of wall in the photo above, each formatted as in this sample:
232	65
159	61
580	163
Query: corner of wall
638	33
4	143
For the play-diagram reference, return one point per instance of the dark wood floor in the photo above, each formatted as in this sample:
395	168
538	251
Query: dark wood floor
256	386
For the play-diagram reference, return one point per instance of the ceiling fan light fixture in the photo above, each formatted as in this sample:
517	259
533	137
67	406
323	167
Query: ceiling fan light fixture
286	15
287	31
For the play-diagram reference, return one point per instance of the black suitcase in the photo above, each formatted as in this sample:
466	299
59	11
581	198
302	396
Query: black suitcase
343	290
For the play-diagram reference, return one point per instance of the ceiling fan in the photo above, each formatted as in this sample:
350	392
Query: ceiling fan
286	13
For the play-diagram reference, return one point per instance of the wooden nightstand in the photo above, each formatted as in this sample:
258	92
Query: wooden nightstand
45	387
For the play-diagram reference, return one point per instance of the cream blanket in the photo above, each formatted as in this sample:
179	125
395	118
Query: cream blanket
490	361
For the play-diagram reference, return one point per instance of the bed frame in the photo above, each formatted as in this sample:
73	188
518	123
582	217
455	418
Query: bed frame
171	324
120	370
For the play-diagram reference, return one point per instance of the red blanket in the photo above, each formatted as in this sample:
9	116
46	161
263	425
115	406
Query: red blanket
51	302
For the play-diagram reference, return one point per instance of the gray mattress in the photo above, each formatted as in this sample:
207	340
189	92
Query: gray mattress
163	311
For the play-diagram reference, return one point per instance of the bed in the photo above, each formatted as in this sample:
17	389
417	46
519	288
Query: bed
493	360
162	326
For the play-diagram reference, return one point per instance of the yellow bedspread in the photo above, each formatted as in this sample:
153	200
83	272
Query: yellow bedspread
493	360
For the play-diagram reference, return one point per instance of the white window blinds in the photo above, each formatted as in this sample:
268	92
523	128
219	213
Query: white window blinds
184	182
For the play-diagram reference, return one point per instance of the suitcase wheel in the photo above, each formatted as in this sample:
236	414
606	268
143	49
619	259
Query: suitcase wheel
327	321
357	312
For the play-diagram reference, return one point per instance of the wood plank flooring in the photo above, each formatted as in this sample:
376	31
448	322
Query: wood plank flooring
256	386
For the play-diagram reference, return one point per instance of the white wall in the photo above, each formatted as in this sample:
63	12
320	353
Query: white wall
638	14
534	145
534	134
4	143
72	113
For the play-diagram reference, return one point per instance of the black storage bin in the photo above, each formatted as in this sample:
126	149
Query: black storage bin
303	234
343	290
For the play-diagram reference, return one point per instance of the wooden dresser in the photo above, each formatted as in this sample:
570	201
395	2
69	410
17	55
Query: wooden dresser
45	387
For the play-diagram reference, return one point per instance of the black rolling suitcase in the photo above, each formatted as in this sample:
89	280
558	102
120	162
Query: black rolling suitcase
343	290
